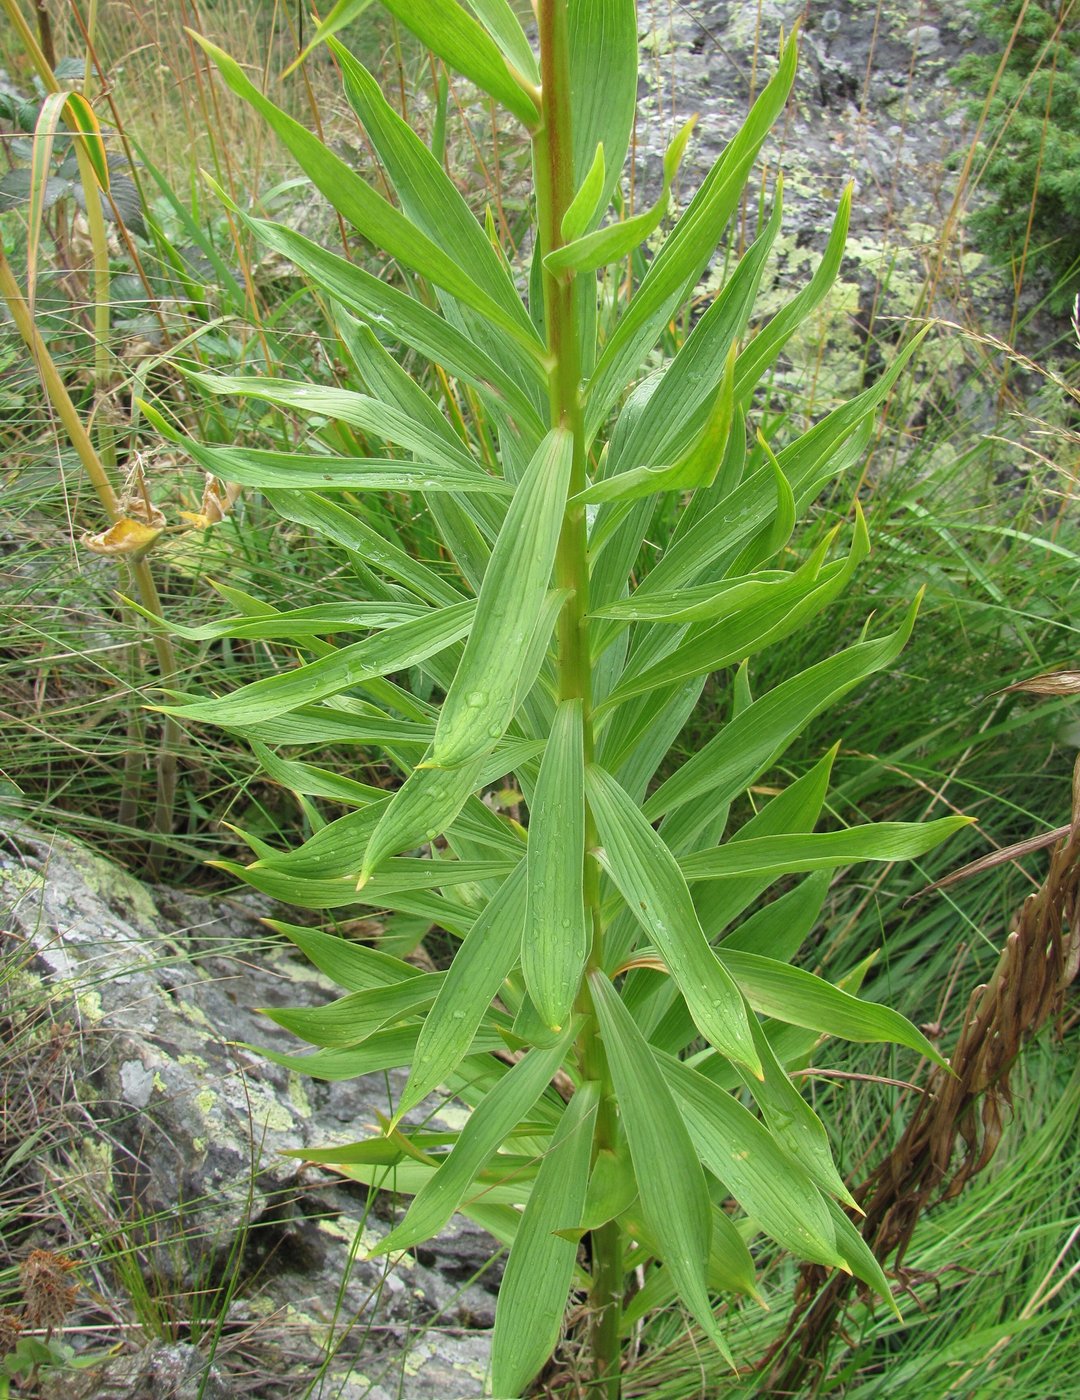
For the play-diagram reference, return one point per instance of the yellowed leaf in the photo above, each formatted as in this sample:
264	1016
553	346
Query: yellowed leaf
127	537
217	501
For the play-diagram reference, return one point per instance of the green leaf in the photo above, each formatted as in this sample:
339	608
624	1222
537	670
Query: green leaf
352	965
585	205
490	1123
860	1257
367	211
648	878
781	927
370	415
321	724
342	14
421	810
744	1156
481	701
784	855
336	523
695	469
608	245
500	21
800	999
675	412
754	739
687	249
480	966
533	1293
464	44
354	1017
309	781
385	1050
673	1195
792	1122
298	471
428	196
303	623
555	942
612	1188
603	38
396	314
770	340
393	650
775	612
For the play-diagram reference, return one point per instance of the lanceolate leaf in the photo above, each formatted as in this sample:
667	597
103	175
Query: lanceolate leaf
539	1271
396	314
372	215
799	998
650	881
352	965
370	415
673	1195
348	530
508	1102
687	249
428	195
603	39
392	650
756	737
607	245
787	854
743	1155
482	699
353	1018
555	942
298	471
421	810
458	39
481	964
587	200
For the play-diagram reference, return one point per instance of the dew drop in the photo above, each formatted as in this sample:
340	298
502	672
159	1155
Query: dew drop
476	699
459	1015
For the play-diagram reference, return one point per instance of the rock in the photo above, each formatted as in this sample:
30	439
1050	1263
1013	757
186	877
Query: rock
191	1127
173	1372
925	40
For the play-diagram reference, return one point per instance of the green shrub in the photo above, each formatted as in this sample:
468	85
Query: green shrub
1030	144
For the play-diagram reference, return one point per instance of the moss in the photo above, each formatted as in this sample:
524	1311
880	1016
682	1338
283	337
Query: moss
90	1008
205	1100
298	1096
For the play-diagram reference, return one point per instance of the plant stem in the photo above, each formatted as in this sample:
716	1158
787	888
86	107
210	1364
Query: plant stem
554	174
143	579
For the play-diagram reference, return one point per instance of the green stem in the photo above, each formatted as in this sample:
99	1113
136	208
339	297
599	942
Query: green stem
554	173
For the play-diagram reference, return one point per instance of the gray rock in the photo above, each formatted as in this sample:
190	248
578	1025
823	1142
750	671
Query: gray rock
185	1128
174	1372
925	40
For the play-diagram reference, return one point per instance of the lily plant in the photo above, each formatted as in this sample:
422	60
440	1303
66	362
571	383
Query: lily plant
624	1001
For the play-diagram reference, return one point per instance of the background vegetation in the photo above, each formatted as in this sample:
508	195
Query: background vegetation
969	489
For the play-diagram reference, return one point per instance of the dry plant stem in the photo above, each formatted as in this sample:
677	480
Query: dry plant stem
553	162
98	477
98	236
